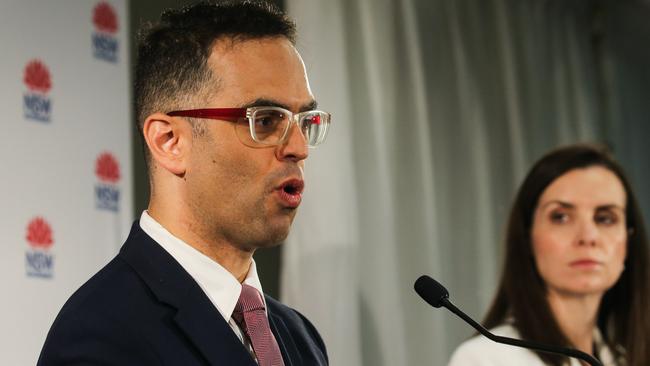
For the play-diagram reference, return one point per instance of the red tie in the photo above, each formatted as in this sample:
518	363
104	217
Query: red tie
251	318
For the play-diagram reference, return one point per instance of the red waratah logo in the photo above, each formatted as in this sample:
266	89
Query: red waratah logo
107	168
39	233
104	18
37	76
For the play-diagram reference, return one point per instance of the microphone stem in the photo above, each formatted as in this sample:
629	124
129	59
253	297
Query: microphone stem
518	342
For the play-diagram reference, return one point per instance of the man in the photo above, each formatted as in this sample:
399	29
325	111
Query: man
227	116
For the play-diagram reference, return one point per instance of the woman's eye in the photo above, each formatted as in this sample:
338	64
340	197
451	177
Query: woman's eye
606	218
559	217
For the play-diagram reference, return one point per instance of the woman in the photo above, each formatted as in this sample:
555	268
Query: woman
576	268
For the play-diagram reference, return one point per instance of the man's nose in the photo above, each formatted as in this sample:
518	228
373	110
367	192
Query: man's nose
295	147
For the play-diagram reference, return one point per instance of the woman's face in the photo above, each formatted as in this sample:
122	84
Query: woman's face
579	234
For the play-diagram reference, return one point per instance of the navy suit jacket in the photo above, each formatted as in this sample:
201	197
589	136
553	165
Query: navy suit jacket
143	308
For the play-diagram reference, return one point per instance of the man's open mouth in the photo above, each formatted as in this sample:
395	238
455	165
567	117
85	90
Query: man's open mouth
290	192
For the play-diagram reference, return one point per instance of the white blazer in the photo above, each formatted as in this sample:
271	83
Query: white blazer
480	351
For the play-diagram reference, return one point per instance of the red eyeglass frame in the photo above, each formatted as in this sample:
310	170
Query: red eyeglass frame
228	114
237	114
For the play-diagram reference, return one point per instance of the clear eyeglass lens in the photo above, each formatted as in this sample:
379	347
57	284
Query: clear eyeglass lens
269	125
314	127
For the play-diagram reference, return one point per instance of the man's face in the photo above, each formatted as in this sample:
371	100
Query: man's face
248	196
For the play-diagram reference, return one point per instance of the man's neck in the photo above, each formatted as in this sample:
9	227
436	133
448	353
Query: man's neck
234	260
576	316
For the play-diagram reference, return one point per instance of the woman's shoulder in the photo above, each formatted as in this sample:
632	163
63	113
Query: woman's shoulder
480	351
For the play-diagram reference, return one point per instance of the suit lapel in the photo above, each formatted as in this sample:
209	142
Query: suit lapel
290	353
211	334
196	316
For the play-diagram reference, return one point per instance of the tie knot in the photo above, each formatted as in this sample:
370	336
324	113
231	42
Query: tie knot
249	300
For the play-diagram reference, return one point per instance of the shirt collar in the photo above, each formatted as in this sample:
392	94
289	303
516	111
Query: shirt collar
221	287
605	355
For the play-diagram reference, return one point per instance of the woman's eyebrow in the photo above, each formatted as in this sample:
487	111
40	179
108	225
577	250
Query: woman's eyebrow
564	204
610	206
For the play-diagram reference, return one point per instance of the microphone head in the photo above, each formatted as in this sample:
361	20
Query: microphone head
431	291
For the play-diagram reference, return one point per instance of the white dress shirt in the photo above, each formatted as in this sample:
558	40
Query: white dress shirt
480	351
219	285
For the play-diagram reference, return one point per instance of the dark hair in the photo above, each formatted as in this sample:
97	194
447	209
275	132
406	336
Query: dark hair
171	69
521	295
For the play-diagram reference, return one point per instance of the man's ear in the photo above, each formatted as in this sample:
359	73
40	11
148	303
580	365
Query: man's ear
169	140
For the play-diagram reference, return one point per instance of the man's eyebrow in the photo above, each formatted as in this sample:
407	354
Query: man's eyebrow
310	106
263	102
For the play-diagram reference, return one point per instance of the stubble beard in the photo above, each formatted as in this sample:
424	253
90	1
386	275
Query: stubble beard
264	223
247	219
264	228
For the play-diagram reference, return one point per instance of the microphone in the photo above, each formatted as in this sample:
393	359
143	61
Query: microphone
437	295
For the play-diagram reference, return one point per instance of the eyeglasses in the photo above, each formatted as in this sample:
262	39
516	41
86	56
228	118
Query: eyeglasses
267	125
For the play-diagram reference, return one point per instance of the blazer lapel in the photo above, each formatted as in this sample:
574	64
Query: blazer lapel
290	353
211	334
196	316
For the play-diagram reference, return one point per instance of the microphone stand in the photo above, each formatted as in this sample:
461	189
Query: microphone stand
517	342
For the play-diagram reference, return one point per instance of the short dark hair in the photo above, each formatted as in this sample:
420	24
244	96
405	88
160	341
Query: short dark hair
171	68
521	295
